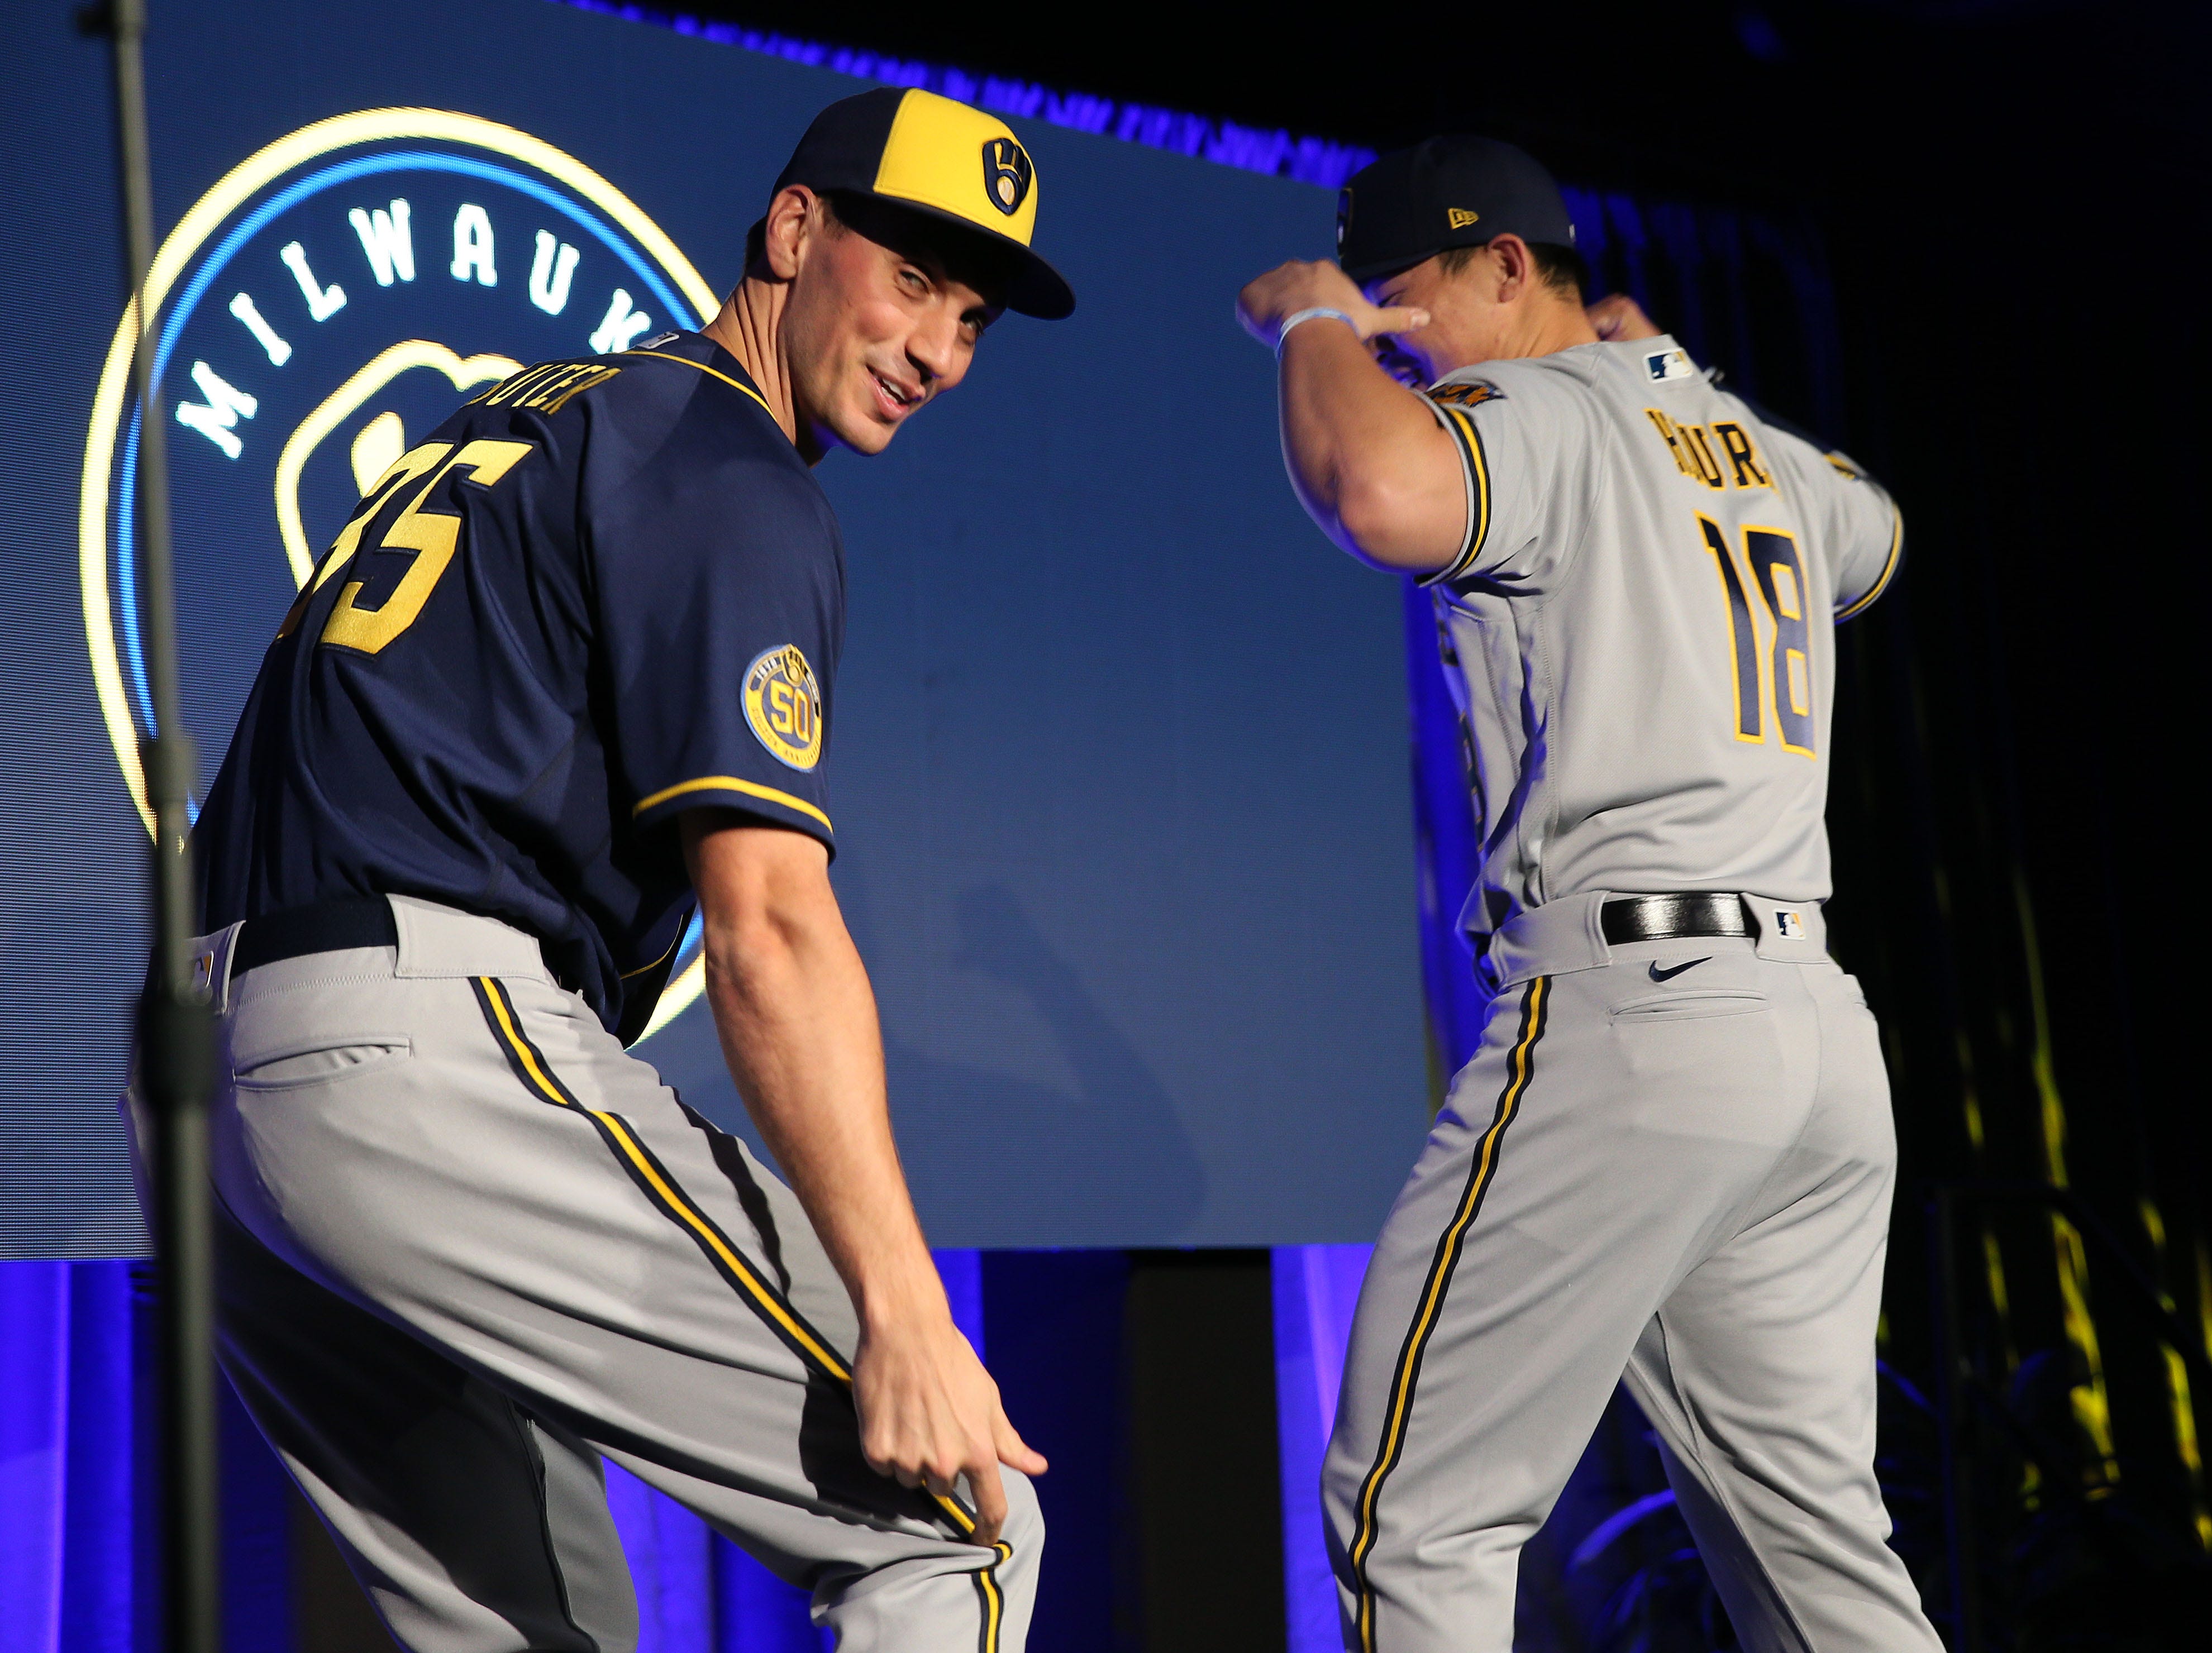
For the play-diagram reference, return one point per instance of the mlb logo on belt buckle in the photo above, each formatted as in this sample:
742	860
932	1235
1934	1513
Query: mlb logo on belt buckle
1788	924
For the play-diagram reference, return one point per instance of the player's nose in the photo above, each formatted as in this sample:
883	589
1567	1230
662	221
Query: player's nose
934	350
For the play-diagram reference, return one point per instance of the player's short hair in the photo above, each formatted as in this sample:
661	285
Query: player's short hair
1559	267
972	257
988	268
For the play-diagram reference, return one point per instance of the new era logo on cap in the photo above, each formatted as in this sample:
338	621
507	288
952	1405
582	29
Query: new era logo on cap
1453	191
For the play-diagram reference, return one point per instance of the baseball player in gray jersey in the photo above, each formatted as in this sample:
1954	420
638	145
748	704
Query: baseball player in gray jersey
1671	1157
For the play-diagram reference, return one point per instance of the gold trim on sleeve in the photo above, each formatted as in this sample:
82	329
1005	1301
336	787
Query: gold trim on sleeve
730	783
1889	568
1476	468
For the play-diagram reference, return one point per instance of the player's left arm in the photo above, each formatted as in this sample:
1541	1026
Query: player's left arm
1369	461
1870	535
796	1019
1861	523
719	618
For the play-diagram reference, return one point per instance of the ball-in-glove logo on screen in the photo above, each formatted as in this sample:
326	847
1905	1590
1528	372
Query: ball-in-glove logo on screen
318	312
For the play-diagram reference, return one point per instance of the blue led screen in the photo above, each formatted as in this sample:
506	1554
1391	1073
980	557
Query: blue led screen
1121	768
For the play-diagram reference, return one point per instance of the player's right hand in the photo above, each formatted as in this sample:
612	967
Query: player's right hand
1618	317
1303	285
930	1414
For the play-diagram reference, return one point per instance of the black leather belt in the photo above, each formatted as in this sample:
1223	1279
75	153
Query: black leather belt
327	927
1662	918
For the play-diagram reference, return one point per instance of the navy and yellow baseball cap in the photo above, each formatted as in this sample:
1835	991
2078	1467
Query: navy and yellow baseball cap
1456	190
930	155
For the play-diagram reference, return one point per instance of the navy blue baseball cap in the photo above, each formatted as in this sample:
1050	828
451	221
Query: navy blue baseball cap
1454	191
928	154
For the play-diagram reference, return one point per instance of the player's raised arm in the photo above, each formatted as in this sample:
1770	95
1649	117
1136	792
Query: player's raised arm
1370	463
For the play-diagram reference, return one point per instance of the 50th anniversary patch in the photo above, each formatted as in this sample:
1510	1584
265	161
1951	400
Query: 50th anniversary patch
330	299
783	704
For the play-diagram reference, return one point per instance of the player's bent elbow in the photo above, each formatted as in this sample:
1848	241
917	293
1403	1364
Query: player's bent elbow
1390	526
764	893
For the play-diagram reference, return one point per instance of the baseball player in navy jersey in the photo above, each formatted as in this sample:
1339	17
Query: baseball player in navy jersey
1671	1157
567	673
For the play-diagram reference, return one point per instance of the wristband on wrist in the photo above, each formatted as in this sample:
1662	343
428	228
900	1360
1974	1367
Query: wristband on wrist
1298	316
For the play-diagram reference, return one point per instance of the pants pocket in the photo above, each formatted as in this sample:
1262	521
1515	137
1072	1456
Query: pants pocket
1690	1005
318	1060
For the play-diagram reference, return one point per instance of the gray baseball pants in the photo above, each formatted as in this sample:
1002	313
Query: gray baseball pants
471	1248
1669	1160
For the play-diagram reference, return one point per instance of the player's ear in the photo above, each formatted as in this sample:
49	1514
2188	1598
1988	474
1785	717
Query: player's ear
785	231
1516	266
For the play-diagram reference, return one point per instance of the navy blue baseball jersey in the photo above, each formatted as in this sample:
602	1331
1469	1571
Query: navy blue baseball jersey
605	591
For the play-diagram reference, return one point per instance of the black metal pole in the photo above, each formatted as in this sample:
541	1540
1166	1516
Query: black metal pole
1950	1384
176	1029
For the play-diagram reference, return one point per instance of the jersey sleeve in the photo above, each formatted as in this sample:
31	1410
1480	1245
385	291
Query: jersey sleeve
720	598
1869	533
1860	523
1524	442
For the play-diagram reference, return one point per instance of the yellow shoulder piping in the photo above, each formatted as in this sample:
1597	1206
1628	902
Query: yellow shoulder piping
711	372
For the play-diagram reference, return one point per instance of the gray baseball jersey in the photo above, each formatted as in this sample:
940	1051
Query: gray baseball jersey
1639	627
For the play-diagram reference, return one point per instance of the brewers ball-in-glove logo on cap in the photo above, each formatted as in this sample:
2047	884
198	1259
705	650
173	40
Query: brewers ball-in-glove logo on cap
783	703
919	152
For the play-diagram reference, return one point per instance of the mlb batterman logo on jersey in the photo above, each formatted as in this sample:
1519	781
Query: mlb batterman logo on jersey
783	704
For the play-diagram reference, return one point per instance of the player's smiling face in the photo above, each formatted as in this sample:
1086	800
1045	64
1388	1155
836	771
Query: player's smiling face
876	329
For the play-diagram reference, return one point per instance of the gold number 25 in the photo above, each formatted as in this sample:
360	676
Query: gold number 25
431	535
